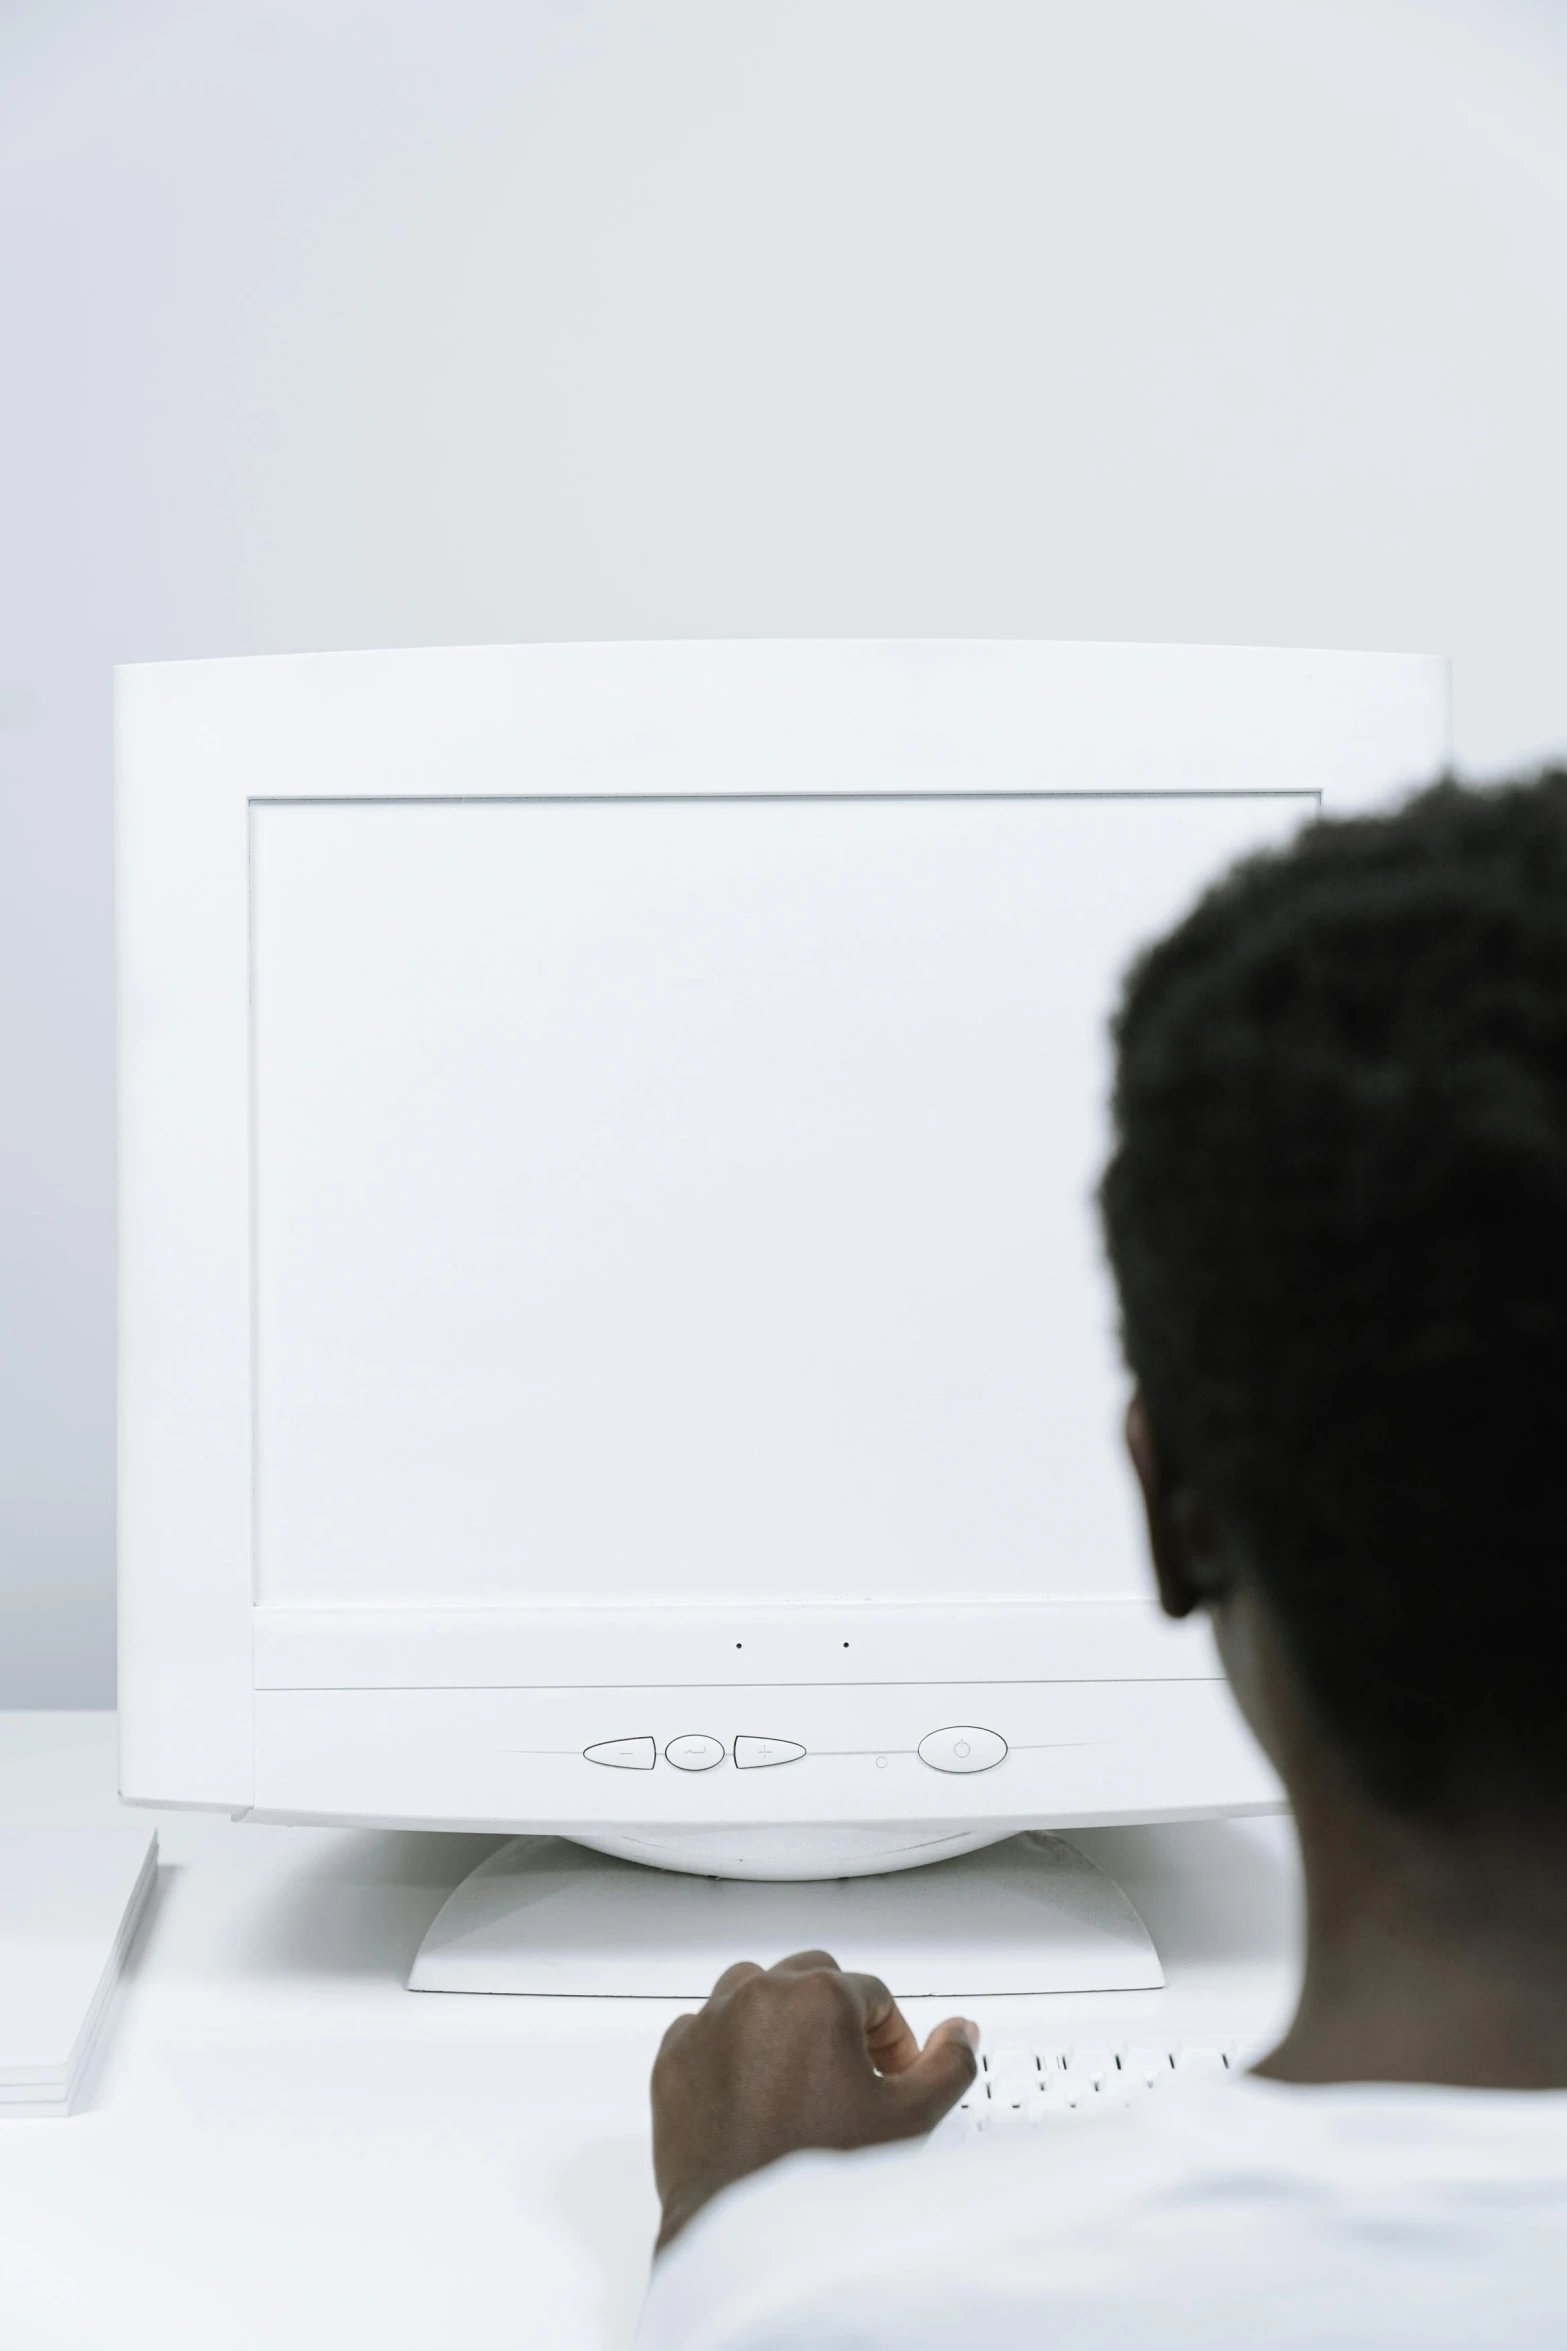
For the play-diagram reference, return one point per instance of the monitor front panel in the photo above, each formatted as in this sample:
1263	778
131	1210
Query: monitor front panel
608	1275
667	1202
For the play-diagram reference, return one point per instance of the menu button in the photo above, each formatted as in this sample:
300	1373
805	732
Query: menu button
624	1754
757	1754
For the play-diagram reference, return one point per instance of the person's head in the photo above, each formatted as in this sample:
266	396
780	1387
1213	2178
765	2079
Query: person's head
1336	1211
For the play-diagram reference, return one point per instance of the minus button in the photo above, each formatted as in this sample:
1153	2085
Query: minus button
624	1754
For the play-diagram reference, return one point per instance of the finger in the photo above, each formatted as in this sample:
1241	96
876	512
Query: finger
731	1976
676	2033
890	2040
943	2070
893	2043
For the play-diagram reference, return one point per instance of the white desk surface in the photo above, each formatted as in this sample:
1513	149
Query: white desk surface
285	2147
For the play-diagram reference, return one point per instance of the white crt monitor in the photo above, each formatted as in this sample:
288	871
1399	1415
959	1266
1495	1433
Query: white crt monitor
613	1333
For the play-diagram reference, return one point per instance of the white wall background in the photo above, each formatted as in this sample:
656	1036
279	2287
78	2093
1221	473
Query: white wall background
358	322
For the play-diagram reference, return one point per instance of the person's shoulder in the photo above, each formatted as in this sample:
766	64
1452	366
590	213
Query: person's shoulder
806	2234
1264	2186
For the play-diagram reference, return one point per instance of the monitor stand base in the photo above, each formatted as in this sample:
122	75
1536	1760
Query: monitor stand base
545	1916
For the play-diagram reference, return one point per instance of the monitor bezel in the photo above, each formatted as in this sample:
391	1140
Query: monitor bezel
201	743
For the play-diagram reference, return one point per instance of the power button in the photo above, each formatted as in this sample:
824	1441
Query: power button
963	1748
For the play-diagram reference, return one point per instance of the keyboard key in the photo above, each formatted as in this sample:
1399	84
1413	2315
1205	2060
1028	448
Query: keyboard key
1020	2088
1092	2066
1010	2066
1200	2063
1241	2056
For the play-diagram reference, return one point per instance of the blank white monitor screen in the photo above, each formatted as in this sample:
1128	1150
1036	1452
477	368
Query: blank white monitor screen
664	1200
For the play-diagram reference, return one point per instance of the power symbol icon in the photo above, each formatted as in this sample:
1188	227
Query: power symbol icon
962	1746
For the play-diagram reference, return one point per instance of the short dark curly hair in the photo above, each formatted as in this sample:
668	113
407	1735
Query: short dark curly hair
1336	1209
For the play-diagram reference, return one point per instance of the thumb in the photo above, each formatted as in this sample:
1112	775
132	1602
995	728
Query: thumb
943	2070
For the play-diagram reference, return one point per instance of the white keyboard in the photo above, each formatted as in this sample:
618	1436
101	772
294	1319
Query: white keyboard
1022	2088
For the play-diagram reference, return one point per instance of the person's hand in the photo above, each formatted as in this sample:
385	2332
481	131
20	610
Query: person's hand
797	2055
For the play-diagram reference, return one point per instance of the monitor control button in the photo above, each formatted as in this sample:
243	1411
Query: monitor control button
694	1752
962	1749
624	1754
757	1754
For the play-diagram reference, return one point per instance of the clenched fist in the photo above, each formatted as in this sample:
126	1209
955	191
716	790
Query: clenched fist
793	2056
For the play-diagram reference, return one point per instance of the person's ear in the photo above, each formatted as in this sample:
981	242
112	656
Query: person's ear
1182	1566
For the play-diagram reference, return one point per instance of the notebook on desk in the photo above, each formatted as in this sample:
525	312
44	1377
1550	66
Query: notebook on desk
70	1900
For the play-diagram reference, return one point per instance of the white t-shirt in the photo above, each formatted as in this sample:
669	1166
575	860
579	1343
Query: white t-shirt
1244	2216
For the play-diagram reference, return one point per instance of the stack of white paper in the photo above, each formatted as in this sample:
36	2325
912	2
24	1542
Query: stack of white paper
69	1902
